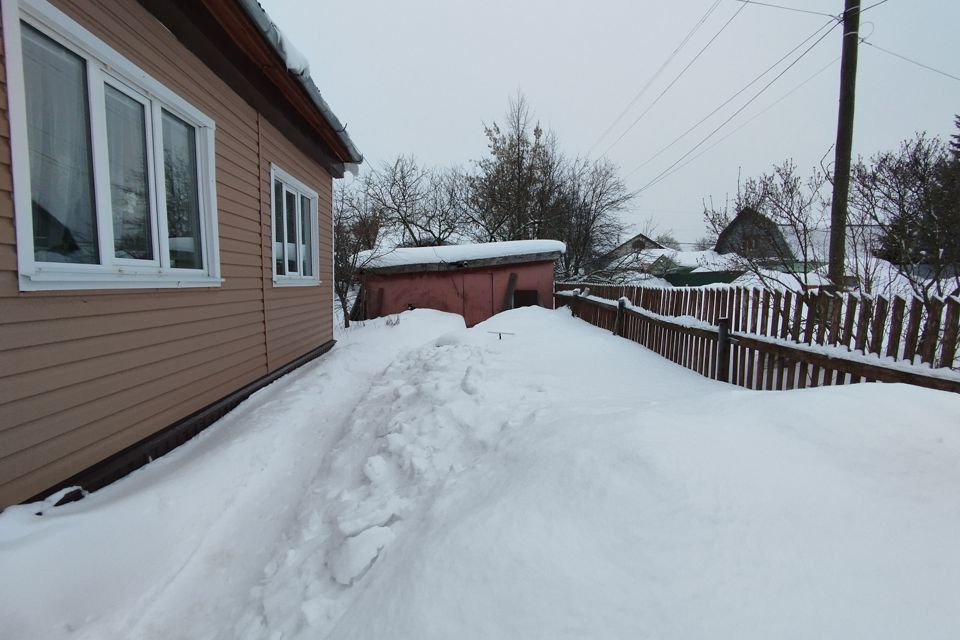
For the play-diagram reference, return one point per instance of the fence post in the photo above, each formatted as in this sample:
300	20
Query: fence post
723	349
618	325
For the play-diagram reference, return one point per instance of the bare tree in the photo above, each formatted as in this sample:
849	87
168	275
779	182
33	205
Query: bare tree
357	227
911	199
667	239
424	206
871	274
781	241
515	190
705	243
587	220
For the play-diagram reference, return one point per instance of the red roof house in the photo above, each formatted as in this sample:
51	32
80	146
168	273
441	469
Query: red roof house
476	281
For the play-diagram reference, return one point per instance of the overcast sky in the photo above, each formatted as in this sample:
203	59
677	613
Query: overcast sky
422	76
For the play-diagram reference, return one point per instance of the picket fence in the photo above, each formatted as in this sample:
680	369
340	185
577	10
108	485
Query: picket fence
763	339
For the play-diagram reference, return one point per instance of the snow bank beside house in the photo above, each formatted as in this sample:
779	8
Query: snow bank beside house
428	481
458	253
178	548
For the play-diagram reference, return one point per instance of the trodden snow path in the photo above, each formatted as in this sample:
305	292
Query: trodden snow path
427	481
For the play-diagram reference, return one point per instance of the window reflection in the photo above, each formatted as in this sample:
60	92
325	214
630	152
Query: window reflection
58	137
182	188
127	147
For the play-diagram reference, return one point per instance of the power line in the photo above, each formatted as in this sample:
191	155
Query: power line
919	64
780	6
875	4
690	34
737	112
808	11
674	81
755	116
733	97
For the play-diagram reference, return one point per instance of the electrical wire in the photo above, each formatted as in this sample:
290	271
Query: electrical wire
674	81
919	64
737	112
875	4
780	6
734	96
754	117
686	39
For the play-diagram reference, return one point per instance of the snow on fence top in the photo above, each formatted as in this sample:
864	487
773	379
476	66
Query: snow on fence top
461	255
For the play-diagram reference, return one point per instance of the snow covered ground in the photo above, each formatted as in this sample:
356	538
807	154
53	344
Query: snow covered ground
423	480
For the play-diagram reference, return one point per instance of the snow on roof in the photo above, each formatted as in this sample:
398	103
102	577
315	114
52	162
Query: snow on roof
295	60
453	254
649	255
297	63
708	260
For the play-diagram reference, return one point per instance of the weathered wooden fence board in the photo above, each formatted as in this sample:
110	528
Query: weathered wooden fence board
762	324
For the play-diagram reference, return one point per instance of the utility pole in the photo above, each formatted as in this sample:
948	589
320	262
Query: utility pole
844	146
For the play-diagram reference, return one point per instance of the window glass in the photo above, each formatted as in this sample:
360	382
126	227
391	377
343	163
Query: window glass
129	195
306	251
278	243
294	231
291	217
183	203
58	137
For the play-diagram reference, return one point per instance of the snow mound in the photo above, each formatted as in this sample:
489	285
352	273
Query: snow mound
429	481
729	514
358	553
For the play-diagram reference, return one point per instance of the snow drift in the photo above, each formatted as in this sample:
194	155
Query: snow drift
428	481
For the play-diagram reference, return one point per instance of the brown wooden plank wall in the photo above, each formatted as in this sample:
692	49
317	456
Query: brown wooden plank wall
85	374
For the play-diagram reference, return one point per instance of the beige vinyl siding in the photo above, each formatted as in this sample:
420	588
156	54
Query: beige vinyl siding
298	319
8	251
85	374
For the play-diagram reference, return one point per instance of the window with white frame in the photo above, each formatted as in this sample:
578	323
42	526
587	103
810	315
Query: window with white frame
295	233
113	172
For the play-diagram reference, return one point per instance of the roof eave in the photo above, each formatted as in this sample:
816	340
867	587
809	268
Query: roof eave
268	30
480	263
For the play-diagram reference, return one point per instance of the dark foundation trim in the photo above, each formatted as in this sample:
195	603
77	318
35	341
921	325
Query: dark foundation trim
168	439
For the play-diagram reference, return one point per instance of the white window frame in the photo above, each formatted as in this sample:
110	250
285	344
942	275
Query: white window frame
300	189
106	66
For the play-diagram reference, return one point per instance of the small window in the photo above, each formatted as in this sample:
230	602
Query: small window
295	231
112	171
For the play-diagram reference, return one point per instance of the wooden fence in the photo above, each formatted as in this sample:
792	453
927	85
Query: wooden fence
771	340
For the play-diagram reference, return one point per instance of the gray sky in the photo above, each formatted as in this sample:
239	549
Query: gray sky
422	76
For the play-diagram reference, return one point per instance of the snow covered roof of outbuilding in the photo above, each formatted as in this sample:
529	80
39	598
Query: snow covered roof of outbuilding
460	256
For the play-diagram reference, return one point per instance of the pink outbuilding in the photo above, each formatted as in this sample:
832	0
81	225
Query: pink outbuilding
476	281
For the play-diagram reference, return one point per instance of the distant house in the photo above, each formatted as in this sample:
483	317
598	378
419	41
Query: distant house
695	268
166	169
752	235
476	281
636	244
627	262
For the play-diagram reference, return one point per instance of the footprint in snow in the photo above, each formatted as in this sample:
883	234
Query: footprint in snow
357	554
